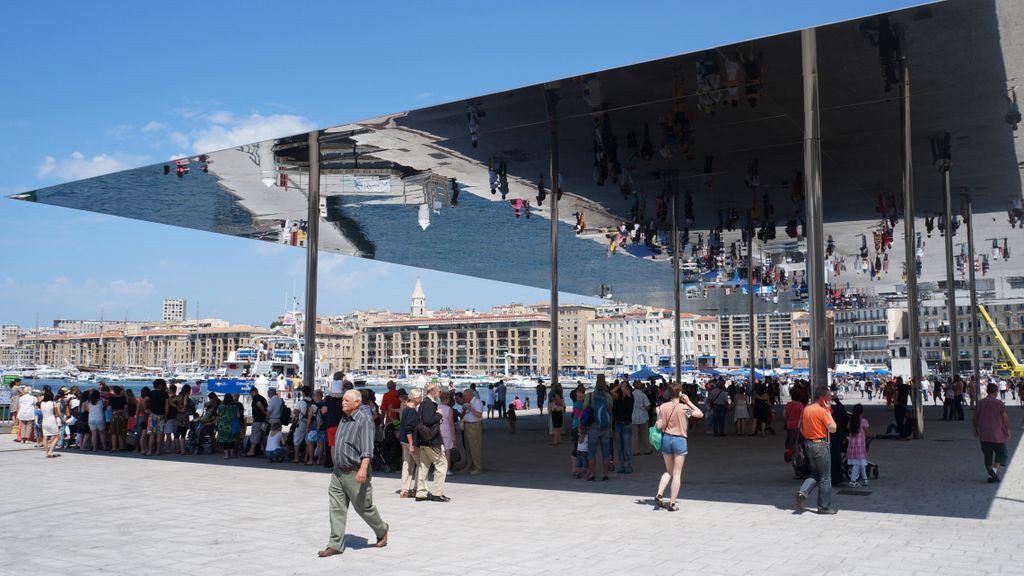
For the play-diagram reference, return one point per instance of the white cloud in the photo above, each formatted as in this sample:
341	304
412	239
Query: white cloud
77	166
220	117
178	139
153	126
253	128
177	156
127	288
422	96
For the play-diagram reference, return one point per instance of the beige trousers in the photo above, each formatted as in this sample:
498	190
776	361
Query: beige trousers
431	456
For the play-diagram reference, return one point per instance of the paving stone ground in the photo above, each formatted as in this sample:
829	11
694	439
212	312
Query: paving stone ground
930	512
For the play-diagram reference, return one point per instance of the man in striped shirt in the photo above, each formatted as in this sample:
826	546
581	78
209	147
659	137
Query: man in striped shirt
350	482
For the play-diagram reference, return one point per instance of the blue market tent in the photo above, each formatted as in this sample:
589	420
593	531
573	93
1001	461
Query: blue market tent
644	373
712	371
745	372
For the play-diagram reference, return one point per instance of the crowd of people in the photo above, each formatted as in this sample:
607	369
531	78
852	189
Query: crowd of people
438	429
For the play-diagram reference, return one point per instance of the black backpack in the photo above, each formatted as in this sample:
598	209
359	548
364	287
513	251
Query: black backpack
286	414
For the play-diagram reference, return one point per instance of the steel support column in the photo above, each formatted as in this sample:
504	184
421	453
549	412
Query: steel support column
968	210
910	245
954	344
309	356
751	330
815	231
552	103
677	328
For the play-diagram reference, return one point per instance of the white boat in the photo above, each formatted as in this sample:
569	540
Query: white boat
852	365
44	372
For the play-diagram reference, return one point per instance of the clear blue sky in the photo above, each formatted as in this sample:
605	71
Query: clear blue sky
93	87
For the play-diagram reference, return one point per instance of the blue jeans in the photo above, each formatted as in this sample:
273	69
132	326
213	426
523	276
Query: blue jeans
624	443
719	412
599	438
582	461
275	455
820	459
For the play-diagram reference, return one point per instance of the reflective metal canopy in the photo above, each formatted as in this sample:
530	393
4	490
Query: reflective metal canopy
462	187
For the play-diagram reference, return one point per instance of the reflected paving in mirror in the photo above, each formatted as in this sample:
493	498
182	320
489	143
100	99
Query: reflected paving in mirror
465	187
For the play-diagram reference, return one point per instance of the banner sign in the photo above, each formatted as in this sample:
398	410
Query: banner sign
230	385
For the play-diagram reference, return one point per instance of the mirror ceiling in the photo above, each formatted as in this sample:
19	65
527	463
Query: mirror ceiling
465	187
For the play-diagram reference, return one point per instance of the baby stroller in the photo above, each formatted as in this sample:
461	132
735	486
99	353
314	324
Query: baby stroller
871	469
200	437
387	454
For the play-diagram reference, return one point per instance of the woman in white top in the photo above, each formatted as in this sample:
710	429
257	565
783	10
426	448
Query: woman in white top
742	413
641	415
51	428
447	429
97	421
26	416
275	448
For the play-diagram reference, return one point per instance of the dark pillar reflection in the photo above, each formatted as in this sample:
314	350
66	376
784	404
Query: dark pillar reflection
309	355
815	234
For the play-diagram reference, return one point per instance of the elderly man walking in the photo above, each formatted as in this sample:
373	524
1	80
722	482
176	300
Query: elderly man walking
429	449
473	410
350	482
992	428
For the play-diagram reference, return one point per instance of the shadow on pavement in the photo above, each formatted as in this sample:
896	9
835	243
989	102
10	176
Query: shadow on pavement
939	475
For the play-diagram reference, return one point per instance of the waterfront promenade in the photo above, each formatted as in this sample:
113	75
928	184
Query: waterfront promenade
930	512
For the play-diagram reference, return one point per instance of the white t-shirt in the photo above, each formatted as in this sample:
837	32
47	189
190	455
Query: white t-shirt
474	404
27	408
302	407
274	441
1002	385
641	404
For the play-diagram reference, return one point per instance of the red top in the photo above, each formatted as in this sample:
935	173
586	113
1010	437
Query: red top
989	416
390	401
793	410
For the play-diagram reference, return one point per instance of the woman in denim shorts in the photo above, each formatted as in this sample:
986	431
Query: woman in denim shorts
673	421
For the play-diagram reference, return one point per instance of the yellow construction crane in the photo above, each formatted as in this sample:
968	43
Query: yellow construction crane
1009	367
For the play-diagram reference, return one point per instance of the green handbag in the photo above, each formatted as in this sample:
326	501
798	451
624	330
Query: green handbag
655	435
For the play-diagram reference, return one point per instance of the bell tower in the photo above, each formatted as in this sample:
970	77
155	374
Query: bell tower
419	301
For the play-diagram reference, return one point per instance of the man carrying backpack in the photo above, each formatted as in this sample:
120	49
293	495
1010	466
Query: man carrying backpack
599	402
428	448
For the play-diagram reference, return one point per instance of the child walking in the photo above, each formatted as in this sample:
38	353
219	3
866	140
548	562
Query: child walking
582	453
856	448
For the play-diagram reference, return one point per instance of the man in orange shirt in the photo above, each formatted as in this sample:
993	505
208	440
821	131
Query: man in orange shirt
816	424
